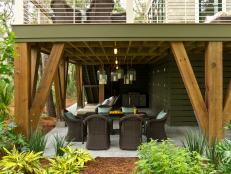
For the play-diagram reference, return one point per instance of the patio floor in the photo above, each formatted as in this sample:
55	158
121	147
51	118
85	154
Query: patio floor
174	133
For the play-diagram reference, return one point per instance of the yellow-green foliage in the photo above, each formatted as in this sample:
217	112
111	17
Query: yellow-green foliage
167	158
72	162
16	162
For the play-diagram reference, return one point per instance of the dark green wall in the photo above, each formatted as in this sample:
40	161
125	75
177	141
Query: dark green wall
174	97
159	86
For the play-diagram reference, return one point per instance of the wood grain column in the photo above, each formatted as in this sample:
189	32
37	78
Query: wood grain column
22	83
45	84
101	91
79	84
191	84
214	89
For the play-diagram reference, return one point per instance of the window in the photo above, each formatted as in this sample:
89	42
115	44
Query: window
208	8
157	11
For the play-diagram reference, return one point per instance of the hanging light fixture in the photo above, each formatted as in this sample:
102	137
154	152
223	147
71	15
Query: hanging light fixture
126	79
120	73
102	77
132	74
114	76
115	51
116	61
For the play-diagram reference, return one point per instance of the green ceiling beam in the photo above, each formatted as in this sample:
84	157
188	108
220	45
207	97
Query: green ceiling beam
122	32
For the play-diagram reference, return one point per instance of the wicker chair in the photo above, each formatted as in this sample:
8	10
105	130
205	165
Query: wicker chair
155	129
130	132
98	133
75	127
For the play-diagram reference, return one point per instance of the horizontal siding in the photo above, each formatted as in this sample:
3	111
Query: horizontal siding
180	109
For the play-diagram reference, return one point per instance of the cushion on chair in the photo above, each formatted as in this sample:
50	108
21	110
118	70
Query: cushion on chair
127	110
111	100
106	102
104	109
161	115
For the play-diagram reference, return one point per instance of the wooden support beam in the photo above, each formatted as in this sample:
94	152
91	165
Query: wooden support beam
45	84
35	57
191	84
227	106
214	89
93	53
63	70
101	91
79	84
22	87
58	95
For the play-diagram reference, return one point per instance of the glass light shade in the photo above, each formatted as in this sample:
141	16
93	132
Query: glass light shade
132	74
115	51
126	79
114	76
102	76
120	73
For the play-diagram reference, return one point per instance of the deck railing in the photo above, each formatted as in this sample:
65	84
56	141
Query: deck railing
121	11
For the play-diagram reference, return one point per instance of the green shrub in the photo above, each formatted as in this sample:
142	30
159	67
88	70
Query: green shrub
6	95
223	149
9	138
37	142
16	162
59	143
166	158
195	141
72	162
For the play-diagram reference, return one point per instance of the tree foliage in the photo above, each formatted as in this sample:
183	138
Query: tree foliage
6	41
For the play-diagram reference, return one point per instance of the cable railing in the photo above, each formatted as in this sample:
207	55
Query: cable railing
121	11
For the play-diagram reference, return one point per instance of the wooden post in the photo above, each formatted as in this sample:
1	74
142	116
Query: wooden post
58	95
63	80
22	87
227	107
45	84
101	91
214	89
35	57
79	84
191	84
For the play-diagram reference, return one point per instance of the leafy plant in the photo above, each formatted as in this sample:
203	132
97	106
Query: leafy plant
9	138
169	159
16	162
72	162
195	141
224	150
59	143
37	142
6	95
212	154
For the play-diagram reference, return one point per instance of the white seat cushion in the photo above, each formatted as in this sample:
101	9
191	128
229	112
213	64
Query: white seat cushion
161	115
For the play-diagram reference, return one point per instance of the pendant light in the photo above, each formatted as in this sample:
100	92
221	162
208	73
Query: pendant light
120	73
102	77
114	76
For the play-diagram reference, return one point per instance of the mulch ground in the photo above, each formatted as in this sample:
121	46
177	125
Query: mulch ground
111	165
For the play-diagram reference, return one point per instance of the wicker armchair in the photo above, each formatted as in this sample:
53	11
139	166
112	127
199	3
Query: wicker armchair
155	129
98	133
130	132
75	127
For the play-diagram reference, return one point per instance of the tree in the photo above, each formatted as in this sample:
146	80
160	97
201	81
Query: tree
7	40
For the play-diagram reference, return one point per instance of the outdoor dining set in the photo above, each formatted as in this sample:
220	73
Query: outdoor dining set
97	127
